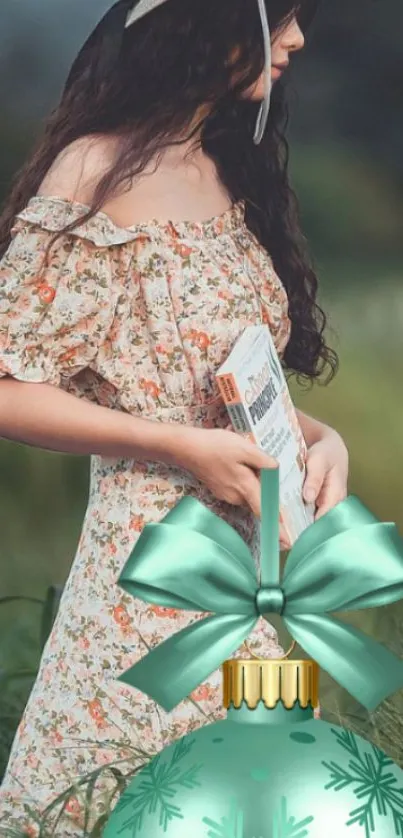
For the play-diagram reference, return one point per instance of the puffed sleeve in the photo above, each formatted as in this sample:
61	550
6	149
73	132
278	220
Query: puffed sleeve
53	321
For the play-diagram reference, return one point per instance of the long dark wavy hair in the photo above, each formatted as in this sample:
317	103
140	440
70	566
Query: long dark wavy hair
143	86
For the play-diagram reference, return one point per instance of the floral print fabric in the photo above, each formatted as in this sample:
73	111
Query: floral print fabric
135	319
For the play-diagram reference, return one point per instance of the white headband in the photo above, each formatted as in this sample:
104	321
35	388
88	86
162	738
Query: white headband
144	6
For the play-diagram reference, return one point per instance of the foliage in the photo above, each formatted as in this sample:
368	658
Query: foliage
19	658
94	813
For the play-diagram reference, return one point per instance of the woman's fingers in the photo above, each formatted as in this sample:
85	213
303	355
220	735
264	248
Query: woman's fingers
251	491
257	459
285	542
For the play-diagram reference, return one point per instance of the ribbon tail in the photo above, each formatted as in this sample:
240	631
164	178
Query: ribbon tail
172	670
365	668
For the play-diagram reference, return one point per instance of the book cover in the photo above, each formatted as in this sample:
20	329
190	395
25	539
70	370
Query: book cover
255	391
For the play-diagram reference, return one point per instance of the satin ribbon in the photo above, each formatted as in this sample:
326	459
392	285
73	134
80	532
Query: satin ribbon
194	560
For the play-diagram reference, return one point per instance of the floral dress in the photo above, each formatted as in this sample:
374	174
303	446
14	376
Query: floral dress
138	320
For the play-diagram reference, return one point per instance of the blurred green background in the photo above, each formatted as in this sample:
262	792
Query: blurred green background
346	96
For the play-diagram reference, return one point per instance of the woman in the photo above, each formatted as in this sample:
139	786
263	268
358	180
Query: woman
112	327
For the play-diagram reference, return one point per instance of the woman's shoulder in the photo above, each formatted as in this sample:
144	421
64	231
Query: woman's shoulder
66	193
78	168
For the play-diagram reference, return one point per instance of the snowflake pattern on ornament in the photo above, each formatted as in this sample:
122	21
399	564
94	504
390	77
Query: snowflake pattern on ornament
372	784
283	826
160	782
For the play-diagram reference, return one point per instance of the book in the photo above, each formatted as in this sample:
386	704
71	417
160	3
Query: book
253	386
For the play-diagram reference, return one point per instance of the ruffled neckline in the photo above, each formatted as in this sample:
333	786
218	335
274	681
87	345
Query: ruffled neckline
54	213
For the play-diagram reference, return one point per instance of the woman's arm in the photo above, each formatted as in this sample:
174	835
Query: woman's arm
312	429
47	417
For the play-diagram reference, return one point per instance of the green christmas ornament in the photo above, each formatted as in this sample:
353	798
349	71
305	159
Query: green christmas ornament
269	770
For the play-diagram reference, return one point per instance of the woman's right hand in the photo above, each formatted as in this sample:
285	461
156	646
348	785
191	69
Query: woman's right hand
229	465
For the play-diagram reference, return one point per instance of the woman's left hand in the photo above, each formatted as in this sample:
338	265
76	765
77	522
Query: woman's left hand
326	472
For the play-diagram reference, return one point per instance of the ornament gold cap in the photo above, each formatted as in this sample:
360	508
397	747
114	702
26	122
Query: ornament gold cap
271	681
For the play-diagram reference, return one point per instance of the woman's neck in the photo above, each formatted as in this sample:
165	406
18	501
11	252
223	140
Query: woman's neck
180	182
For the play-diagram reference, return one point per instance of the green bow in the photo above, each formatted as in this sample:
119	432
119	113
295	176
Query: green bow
194	560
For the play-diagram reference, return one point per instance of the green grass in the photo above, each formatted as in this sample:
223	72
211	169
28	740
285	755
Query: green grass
365	404
42	503
22	641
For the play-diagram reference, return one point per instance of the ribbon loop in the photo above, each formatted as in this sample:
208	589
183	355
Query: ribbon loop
347	560
270	600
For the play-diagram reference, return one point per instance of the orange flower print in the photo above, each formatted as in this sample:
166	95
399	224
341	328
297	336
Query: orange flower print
121	616
199	339
96	712
202	693
266	318
141	240
136	523
224	294
160	611
203	340
67	356
46	293
183	251
73	807
30	832
150	387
